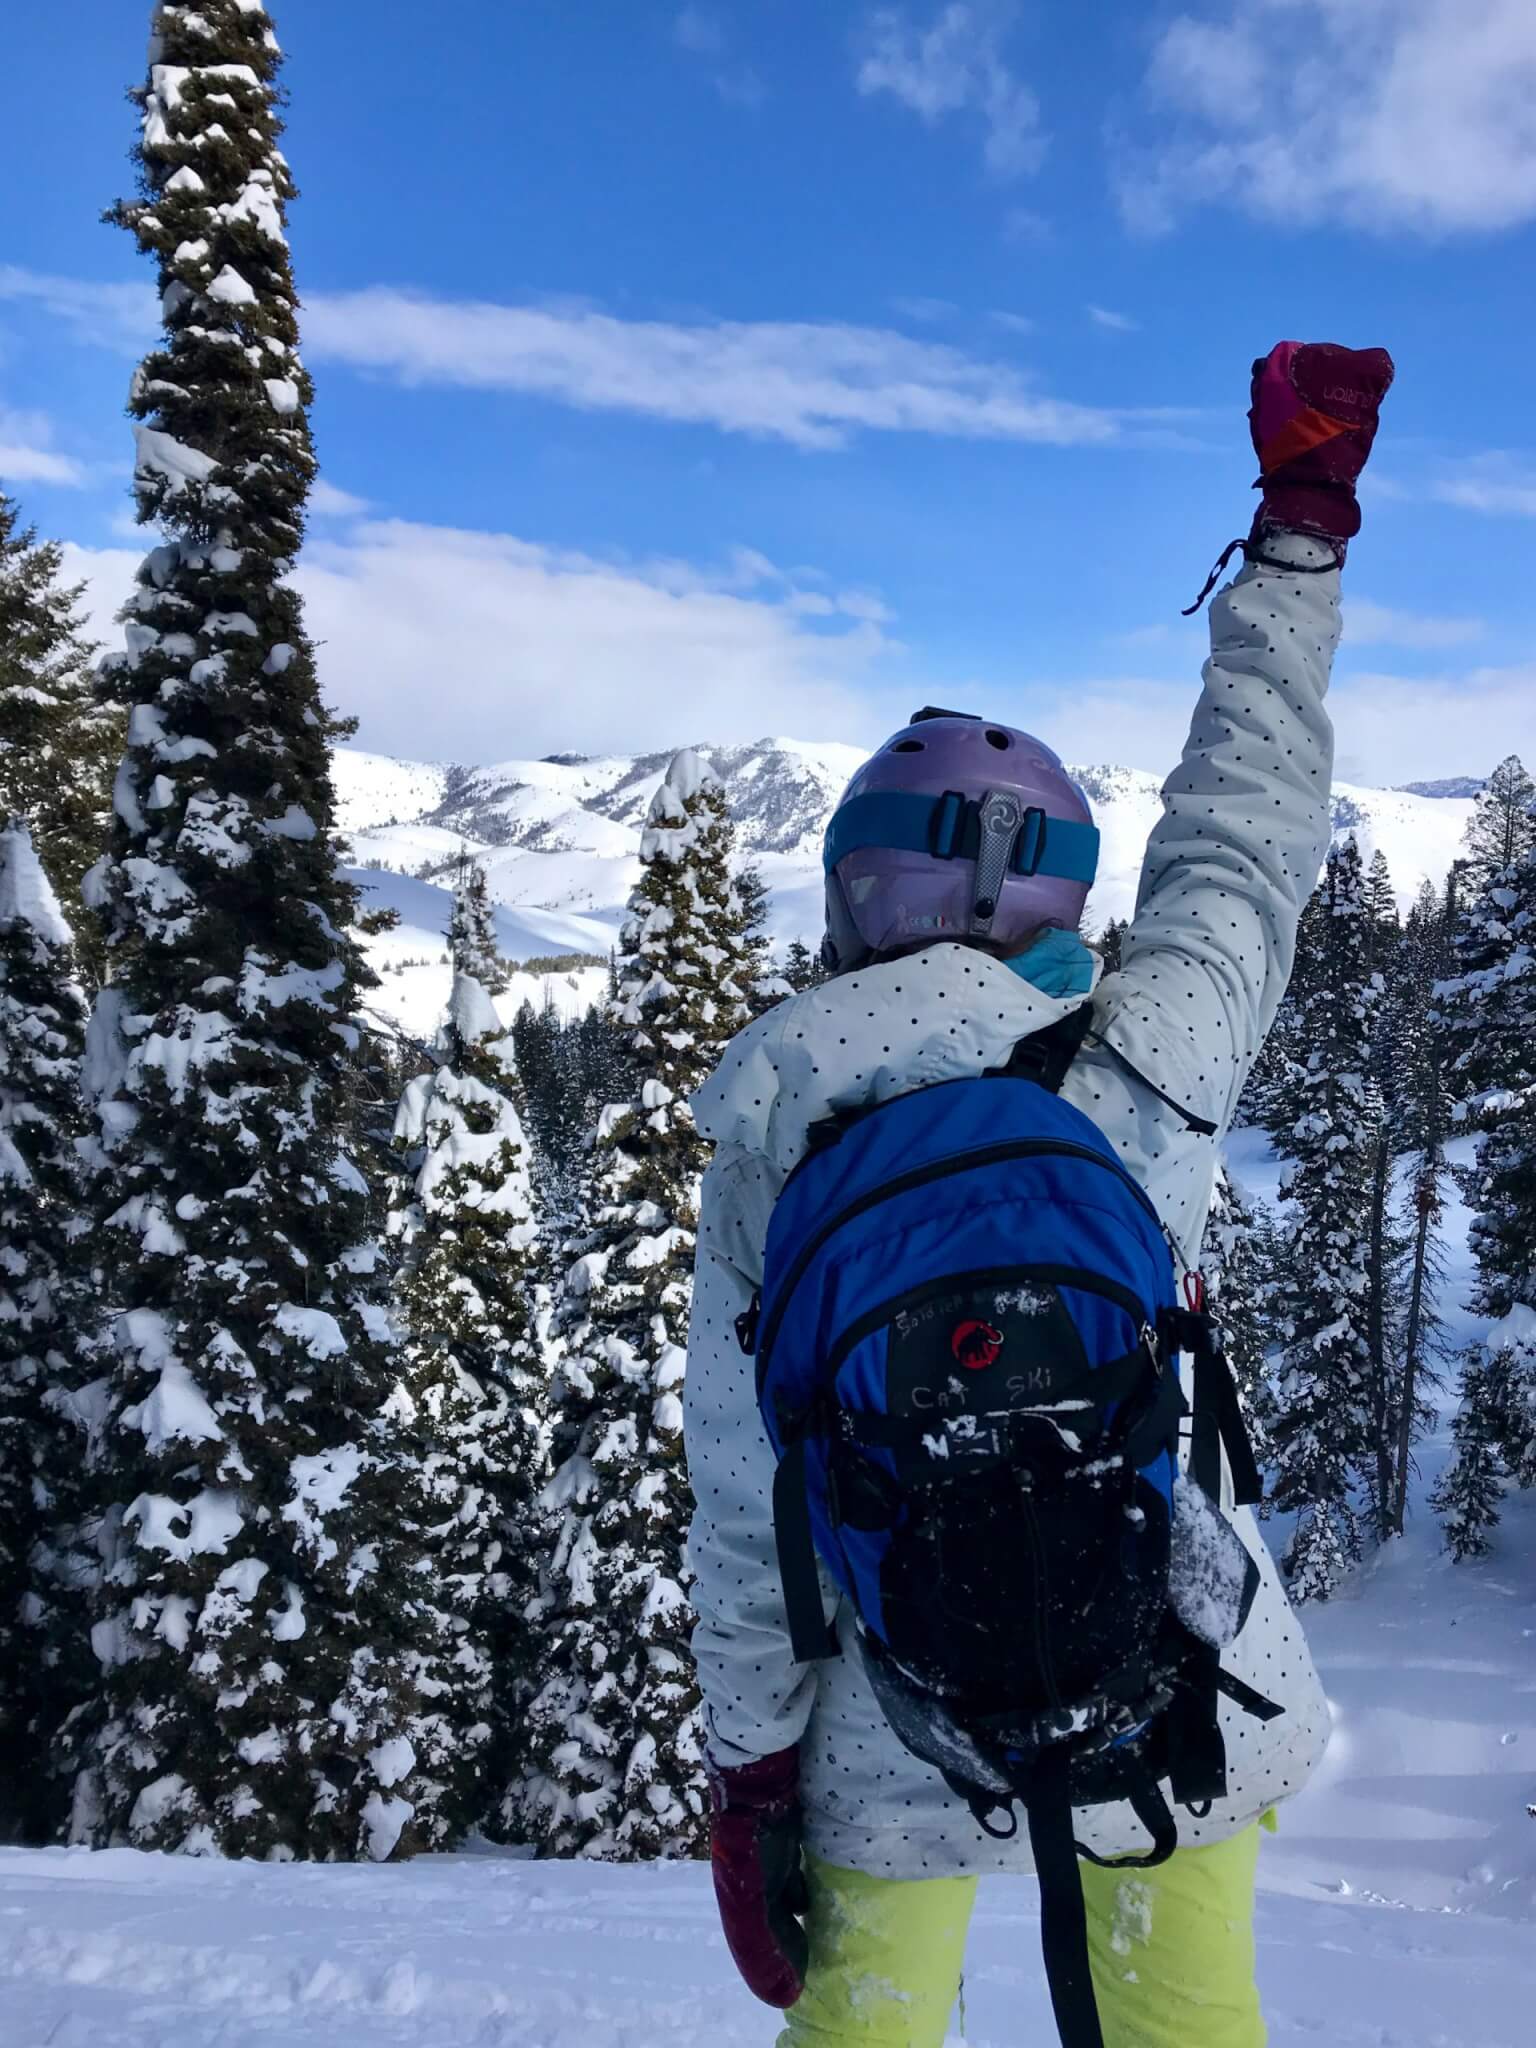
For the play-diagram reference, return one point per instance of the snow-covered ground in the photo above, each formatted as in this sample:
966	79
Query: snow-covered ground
1397	1909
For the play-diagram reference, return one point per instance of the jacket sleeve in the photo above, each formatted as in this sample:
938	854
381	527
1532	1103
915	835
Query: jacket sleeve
1245	826
757	1699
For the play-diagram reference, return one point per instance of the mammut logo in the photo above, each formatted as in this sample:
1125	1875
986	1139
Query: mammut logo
976	1345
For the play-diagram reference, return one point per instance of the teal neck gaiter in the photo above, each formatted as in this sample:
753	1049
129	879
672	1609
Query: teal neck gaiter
1058	964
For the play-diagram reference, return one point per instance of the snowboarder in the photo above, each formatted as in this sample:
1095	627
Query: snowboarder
844	1864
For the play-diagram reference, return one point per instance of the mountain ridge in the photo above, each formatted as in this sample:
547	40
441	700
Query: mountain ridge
559	838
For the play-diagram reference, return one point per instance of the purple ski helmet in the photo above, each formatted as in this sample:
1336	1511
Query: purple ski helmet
956	829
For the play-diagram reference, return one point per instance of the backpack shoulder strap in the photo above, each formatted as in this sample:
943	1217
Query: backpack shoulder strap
1045	1056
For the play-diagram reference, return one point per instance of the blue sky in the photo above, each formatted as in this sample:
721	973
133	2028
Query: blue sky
769	366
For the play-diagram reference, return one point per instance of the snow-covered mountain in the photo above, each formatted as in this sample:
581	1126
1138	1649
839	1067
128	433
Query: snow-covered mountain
559	839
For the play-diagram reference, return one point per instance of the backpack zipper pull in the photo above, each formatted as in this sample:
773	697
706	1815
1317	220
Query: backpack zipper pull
746	1325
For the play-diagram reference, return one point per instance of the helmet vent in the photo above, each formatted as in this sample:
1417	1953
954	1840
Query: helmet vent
997	739
907	747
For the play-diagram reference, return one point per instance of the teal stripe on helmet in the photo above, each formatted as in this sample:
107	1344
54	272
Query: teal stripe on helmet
1065	848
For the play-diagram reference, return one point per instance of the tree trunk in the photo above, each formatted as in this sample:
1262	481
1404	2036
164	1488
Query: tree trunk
1376	1333
1427	1205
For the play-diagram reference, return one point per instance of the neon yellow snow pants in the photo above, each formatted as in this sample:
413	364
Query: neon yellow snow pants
1172	1953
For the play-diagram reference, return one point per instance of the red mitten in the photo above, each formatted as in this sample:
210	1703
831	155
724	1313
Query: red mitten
754	1851
1313	419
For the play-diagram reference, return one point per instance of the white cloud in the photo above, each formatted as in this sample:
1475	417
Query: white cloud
812	384
474	645
1023	225
1016	323
1493	484
1479	494
700	33
27	454
703	35
1389	729
955	65
1378	625
327	501
927	312
116	316
1117	323
1386	114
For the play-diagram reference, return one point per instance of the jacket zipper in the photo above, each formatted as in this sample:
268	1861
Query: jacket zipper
939	1169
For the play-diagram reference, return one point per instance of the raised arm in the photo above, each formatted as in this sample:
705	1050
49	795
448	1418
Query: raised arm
1246	822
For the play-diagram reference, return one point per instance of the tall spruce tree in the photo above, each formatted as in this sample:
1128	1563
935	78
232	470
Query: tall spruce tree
58	746
472	1388
259	1638
1502	829
1276	1088
802	967
619	1769
46	1342
1238	1262
762	984
1491	1009
1112	943
472	929
1321	1426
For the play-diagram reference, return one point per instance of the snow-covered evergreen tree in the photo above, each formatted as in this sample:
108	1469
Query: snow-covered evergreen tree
1111	943
259	1641
1383	921
472	1389
1238	1264
802	967
1502	830
1469	1497
1273	1096
616	1724
1490	1007
46	1347
472	930
58	746
1321	1426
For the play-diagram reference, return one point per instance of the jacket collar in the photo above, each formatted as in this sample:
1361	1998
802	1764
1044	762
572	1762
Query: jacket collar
939	1015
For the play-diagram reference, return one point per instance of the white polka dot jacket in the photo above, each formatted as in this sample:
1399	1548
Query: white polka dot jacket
1228	868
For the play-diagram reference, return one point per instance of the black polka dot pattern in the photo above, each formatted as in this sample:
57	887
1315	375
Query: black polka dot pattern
1228	868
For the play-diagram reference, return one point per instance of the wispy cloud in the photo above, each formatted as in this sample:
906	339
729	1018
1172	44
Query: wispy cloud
815	385
1385	114
704	35
1117	323
1499	485
927	312
27	454
551	649
327	501
1015	323
117	316
1378	625
955	65
699	32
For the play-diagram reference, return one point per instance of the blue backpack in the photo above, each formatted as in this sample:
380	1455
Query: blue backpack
967	1364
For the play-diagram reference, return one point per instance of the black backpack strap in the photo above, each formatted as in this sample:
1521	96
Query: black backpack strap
1063	1910
1046	1055
1218	1412
810	1635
